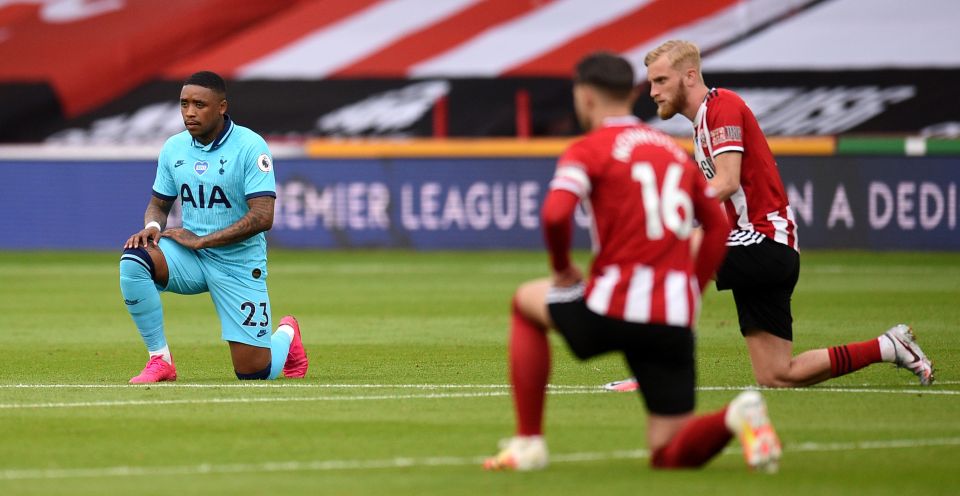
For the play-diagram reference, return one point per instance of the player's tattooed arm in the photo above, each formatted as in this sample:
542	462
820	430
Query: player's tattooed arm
157	211
258	219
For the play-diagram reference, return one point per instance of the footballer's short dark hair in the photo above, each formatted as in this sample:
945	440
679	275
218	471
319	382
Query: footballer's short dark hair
608	72
209	80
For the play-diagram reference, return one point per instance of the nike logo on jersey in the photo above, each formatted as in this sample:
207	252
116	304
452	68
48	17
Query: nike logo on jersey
132	302
262	333
178	164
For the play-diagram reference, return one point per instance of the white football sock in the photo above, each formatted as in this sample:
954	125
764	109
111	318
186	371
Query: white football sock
888	351
164	352
286	329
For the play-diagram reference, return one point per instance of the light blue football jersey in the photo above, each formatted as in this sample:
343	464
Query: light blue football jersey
214	182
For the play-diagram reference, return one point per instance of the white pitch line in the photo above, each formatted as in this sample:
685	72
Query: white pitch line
413	462
931	391
863	388
264	399
503	391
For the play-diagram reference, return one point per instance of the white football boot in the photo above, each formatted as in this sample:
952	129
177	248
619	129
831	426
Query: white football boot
624	386
520	453
908	353
747	418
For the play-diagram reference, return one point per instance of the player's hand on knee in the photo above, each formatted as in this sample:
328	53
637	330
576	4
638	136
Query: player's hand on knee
184	237
144	238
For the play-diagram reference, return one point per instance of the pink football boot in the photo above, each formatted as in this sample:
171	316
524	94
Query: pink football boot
296	365
156	370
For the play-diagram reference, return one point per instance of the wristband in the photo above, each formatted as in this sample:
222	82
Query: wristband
153	223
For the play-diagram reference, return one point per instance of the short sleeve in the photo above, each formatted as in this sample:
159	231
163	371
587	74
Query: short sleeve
163	185
258	171
572	174
725	122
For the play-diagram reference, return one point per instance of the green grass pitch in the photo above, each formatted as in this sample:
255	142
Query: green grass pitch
406	393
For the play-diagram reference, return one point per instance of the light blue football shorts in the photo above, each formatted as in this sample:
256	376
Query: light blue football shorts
238	293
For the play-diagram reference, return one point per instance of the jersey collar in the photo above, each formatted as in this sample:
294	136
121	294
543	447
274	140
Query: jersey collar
221	138
702	110
620	121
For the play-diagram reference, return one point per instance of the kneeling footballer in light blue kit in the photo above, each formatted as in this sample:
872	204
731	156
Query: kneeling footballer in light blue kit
223	175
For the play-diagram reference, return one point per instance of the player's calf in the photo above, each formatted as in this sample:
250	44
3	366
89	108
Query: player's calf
142	299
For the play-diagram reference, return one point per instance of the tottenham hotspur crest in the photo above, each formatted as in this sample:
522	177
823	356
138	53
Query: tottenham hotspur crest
263	162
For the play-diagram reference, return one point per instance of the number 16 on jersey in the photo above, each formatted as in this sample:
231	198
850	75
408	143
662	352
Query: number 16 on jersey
662	207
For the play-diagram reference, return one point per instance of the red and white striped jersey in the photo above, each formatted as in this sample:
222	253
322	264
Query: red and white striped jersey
759	208
642	193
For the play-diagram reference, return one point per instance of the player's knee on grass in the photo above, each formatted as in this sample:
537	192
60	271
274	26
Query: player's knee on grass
259	375
774	378
782	382
250	362
771	356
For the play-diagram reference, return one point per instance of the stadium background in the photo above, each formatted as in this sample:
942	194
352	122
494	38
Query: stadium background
429	125
429	128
